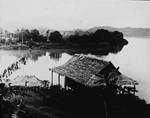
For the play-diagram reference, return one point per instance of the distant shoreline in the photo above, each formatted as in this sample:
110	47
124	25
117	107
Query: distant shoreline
105	47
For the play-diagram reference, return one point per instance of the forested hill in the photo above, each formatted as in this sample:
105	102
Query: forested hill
99	36
127	31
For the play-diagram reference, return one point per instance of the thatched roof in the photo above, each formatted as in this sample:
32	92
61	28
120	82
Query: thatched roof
81	68
125	80
85	70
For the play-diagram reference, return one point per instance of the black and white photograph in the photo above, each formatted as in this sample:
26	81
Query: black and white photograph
74	59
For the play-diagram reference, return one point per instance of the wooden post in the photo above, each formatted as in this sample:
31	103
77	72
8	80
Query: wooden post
51	78
65	83
59	79
106	109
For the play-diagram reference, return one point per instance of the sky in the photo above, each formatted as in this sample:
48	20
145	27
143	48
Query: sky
73	14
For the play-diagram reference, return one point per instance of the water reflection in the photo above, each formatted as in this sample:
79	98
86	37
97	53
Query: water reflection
35	55
55	55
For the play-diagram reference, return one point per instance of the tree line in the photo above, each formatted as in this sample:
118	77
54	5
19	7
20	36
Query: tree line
100	36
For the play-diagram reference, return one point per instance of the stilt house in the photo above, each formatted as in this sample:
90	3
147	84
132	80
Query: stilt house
83	71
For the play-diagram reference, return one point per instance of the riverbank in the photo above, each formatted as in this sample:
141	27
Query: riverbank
14	47
50	46
53	102
101	48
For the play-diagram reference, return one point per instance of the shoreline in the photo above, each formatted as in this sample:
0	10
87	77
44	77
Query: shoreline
101	46
99	49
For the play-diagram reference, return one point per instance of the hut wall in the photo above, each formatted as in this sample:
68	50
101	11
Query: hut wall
73	84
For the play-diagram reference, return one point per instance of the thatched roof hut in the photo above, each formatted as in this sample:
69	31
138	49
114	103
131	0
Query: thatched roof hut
91	71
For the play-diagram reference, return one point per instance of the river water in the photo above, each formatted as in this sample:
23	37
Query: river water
133	60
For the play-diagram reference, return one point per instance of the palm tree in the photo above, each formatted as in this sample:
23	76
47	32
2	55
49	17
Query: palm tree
26	83
47	34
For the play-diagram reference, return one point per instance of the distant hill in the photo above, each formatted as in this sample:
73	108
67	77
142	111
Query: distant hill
127	31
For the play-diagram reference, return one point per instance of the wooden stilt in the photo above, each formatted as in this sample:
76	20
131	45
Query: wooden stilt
51	78
59	79
65	83
106	109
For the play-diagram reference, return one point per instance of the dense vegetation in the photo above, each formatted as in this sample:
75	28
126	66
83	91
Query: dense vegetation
55	102
99	37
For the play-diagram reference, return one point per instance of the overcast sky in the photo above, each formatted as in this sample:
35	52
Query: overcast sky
72	14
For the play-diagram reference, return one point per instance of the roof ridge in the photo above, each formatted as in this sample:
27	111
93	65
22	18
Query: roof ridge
88	56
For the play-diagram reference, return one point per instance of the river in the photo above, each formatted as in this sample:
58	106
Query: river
133	60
